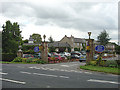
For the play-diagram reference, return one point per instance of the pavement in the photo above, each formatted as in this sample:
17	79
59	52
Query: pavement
59	75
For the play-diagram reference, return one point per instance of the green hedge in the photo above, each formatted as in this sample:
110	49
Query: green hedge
8	56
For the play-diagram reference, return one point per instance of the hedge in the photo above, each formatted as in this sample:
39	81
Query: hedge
8	56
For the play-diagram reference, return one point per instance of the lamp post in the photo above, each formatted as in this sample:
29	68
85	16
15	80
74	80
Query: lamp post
44	36
89	34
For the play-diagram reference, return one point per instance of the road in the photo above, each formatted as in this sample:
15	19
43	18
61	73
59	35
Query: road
60	75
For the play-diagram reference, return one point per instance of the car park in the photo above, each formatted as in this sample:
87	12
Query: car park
27	56
76	53
66	54
83	57
75	56
56	57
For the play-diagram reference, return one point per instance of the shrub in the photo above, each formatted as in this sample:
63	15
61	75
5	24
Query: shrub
93	63
30	59
35	60
111	63
102	63
40	62
17	59
68	57
8	56
24	59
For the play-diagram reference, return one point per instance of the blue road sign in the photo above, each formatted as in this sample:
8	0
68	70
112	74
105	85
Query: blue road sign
36	49
99	48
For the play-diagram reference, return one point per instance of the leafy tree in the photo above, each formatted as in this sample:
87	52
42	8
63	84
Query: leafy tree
25	41
103	38
11	37
51	49
50	39
37	38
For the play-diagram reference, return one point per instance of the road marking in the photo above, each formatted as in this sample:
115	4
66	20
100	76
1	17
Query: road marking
45	75
88	72
102	81
12	81
25	72
64	65
63	77
3	73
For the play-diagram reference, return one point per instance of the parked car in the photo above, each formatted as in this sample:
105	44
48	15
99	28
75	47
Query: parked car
28	55
75	56
83	57
57	57
66	53
37	55
76	53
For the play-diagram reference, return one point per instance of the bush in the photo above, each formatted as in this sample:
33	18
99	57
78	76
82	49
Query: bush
8	56
24	59
93	63
111	63
30	60
17	59
102	63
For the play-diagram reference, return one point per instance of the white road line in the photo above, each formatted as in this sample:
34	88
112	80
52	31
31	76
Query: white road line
52	69
45	75
103	81
3	73
64	65
88	72
25	72
63	77
12	81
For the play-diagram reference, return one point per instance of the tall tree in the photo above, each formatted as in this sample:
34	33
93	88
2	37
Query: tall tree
37	38
11	37
50	39
103	38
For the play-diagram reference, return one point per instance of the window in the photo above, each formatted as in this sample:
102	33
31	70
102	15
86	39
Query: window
77	44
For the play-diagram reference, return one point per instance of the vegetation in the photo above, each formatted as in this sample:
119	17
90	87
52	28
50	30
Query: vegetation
50	39
101	69
103	38
11	37
28	60
37	38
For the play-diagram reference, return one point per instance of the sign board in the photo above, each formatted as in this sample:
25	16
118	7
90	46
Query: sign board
99	48
36	49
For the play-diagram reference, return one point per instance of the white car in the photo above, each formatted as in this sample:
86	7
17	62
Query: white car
66	54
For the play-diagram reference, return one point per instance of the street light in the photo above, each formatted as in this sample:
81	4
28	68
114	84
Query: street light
44	36
89	34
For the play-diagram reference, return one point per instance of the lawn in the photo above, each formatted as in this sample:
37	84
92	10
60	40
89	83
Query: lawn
101	69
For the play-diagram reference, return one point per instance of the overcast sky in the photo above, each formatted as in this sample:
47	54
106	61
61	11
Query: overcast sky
58	18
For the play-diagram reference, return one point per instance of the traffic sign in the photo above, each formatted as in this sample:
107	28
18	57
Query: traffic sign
36	49
99	48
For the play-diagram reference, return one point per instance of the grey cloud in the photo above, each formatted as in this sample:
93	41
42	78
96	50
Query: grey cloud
75	15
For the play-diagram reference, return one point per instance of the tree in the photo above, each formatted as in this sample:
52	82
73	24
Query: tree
25	41
11	37
103	38
37	38
50	39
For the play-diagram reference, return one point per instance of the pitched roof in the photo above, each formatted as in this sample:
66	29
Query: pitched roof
58	44
79	40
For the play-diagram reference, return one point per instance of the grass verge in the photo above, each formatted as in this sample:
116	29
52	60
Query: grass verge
101	69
